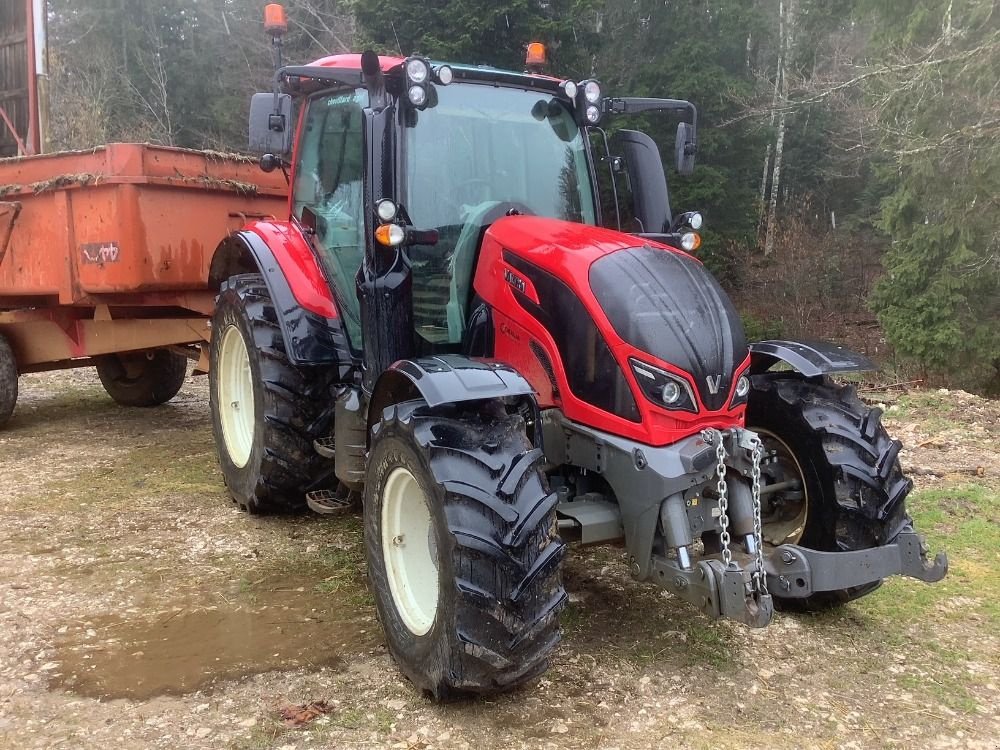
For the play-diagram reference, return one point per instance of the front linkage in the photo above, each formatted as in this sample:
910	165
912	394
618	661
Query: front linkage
710	485
735	585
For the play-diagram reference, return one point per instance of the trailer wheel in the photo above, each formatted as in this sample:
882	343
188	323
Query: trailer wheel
265	411
142	379
8	381
463	555
852	489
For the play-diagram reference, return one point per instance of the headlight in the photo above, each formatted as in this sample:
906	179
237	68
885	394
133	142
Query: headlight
671	393
417	70
593	115
696	220
741	392
742	386
663	388
592	92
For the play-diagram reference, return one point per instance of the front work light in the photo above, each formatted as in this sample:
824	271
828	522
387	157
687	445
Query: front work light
417	95
592	91
444	74
569	89
417	70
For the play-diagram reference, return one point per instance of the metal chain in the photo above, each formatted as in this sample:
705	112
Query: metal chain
760	577
711	436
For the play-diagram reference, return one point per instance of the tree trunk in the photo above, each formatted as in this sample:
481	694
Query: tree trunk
762	203
779	146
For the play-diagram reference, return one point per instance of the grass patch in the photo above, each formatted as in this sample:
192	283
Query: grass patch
963	520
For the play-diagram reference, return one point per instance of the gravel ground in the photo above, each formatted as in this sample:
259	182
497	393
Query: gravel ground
140	609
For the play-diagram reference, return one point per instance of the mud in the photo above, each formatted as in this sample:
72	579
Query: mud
271	624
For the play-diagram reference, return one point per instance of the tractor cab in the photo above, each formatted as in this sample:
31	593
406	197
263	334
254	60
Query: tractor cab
424	157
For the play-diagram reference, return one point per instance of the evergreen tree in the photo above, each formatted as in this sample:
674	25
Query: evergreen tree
935	107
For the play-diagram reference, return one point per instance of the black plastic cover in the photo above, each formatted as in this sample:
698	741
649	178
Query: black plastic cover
668	305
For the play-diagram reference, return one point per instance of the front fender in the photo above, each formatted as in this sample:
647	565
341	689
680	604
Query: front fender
810	358
445	379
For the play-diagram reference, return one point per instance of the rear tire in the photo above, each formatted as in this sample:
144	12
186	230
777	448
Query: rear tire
855	489
491	622
8	381
265	411
142	379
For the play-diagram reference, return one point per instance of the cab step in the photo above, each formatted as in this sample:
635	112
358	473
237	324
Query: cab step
324	446
329	502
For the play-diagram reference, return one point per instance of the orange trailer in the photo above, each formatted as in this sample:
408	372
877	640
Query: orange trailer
104	260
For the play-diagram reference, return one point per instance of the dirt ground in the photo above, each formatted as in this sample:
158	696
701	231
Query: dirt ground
140	609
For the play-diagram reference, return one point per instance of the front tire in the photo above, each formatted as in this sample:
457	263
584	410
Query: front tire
8	381
852	487
265	411
142	379
477	612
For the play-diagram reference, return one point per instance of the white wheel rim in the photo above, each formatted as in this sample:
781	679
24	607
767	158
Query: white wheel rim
235	397
409	551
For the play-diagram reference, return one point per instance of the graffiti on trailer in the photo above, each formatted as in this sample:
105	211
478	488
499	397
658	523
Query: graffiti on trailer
100	252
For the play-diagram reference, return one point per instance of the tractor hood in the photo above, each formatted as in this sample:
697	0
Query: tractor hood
640	294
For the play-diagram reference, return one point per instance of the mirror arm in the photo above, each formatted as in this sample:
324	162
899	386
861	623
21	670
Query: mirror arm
634	105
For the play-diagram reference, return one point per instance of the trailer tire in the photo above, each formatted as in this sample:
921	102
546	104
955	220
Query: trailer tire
8	381
486	525
266	452
142	379
855	489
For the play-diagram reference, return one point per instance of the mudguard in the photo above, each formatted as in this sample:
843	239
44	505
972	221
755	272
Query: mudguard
312	336
810	358
445	379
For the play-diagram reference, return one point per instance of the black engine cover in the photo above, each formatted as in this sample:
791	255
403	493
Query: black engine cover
667	304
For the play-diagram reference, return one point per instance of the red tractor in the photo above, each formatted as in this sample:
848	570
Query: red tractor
443	331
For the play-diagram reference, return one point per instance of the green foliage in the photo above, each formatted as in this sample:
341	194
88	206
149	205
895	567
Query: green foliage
688	50
940	299
483	32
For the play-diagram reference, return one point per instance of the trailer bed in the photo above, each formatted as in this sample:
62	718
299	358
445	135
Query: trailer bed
121	221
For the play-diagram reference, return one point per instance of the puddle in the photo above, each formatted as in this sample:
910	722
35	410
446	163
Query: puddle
276	624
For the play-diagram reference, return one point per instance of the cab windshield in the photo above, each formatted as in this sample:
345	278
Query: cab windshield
475	150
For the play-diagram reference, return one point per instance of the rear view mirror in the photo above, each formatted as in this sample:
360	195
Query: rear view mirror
685	148
649	184
271	124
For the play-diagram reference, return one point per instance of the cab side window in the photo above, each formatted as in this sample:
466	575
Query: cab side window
329	184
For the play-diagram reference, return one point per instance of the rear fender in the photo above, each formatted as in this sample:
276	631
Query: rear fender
305	310
446	379
810	358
